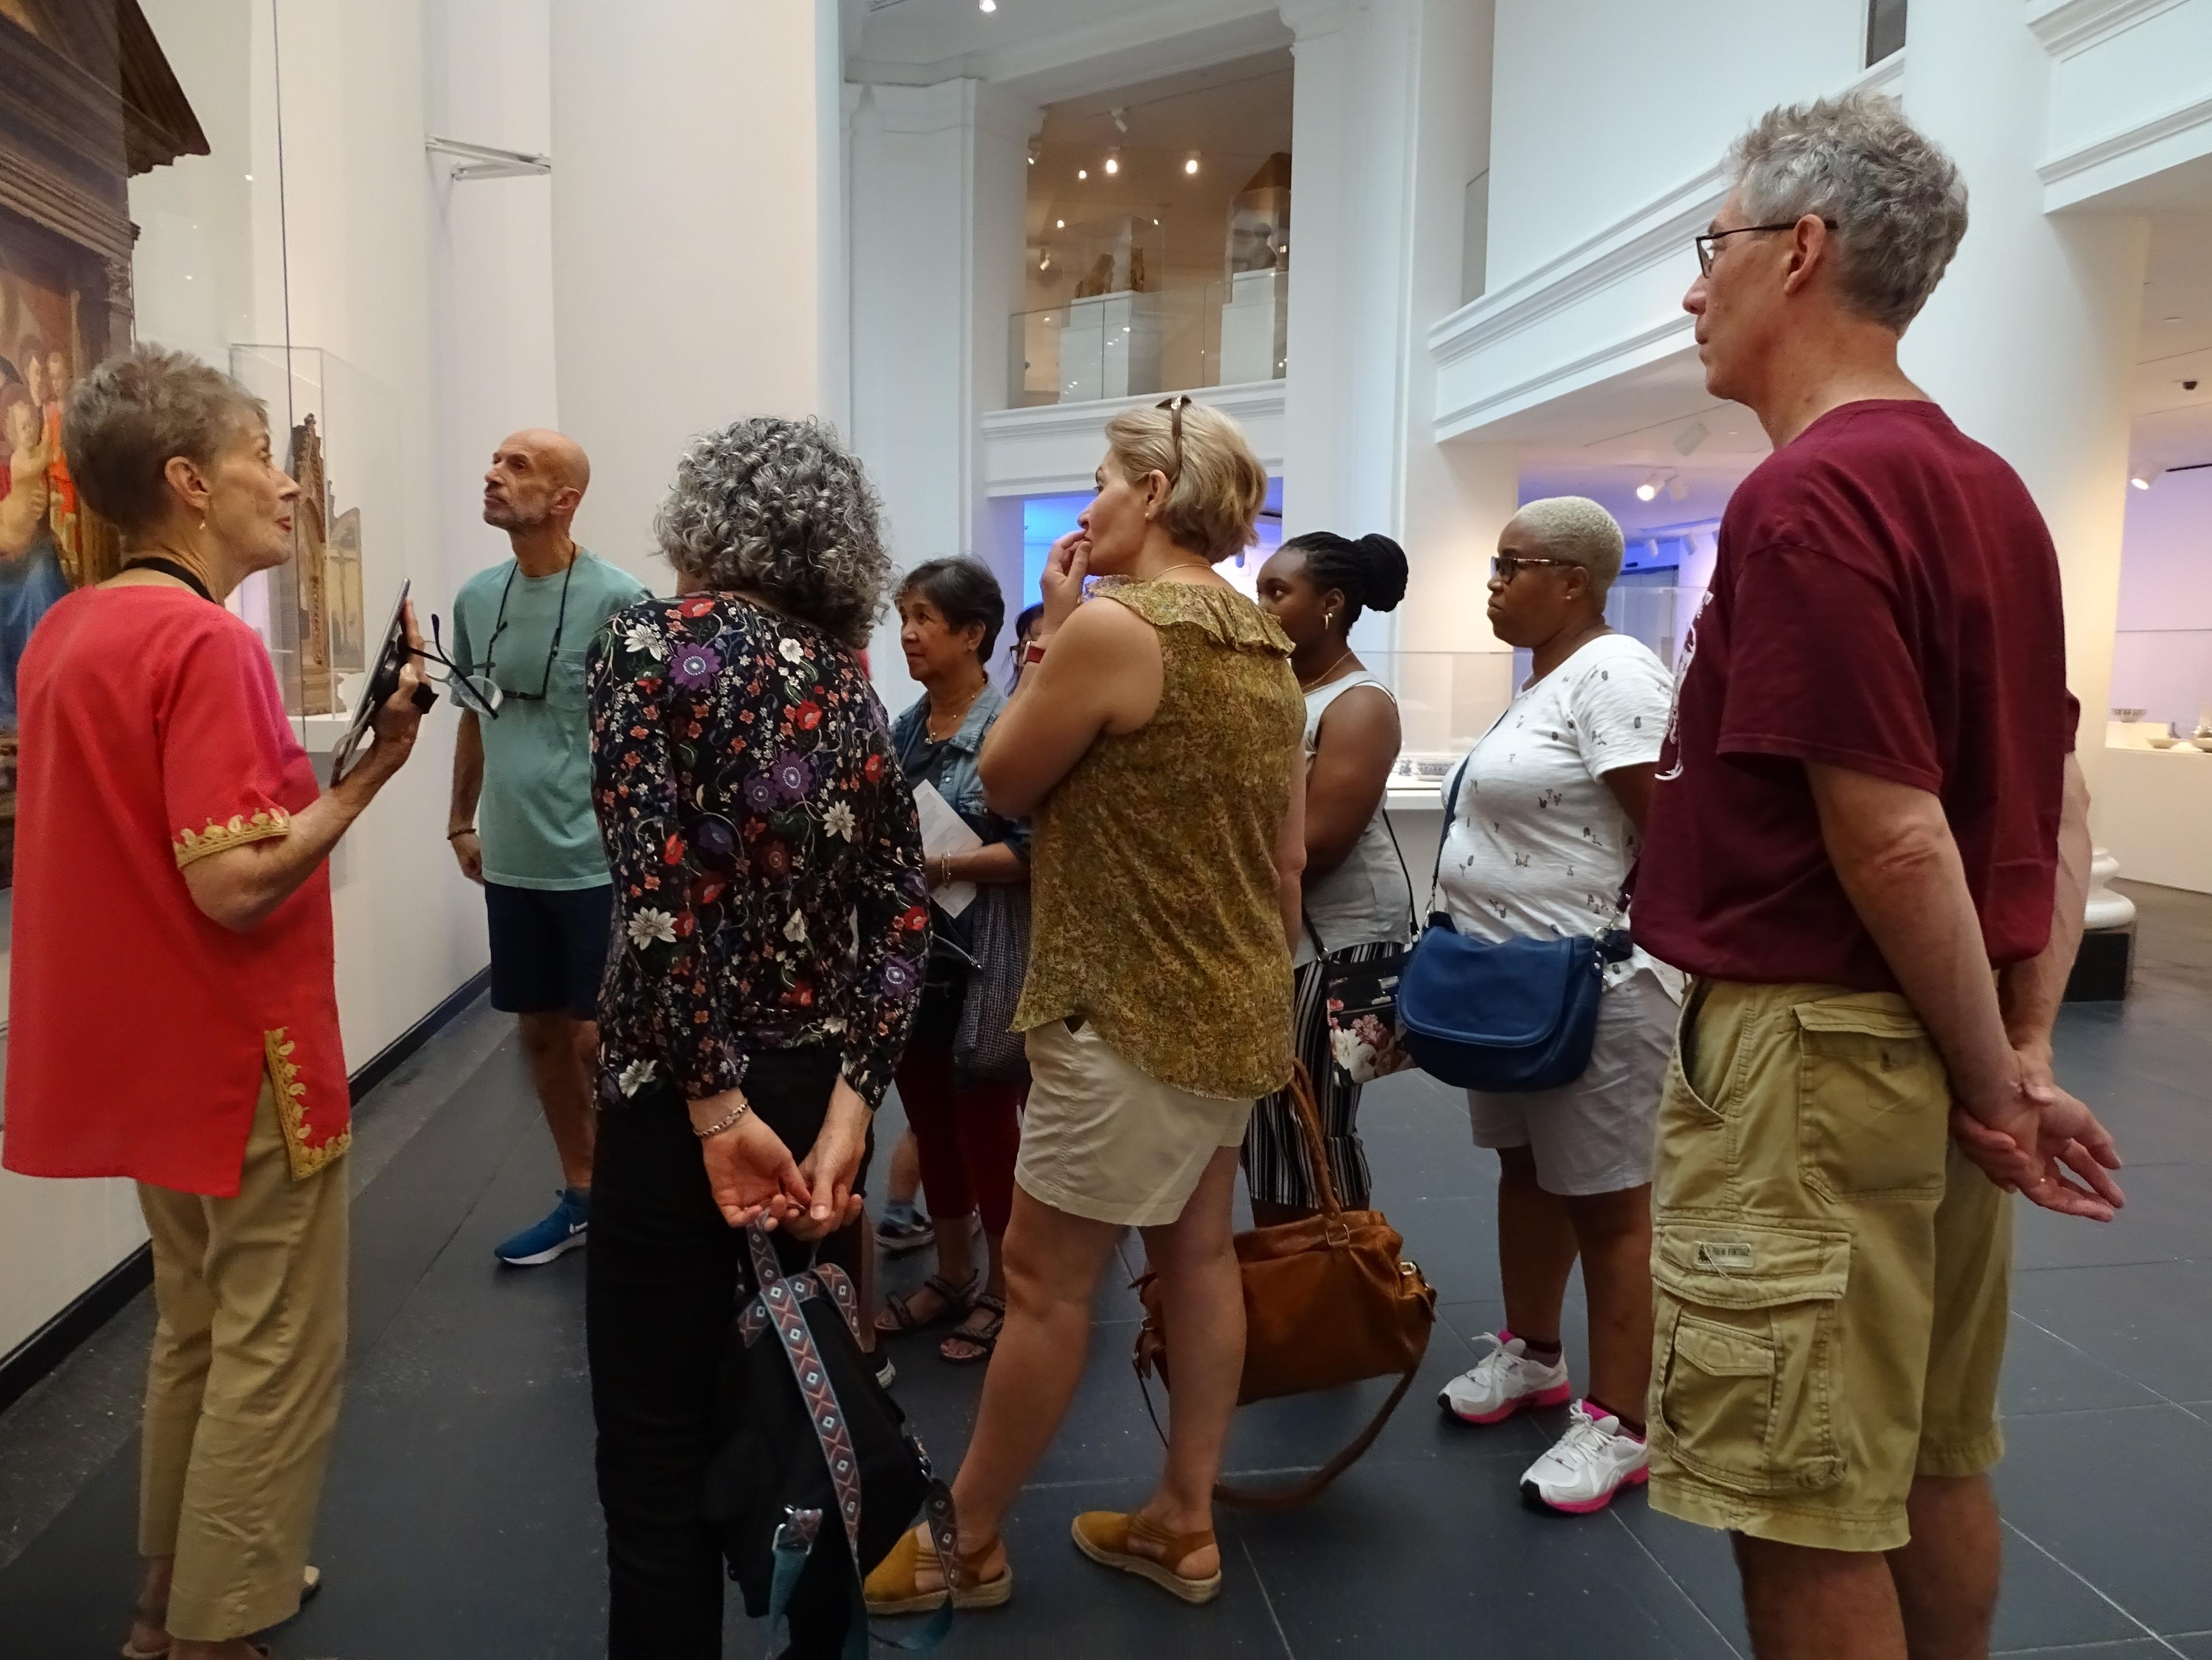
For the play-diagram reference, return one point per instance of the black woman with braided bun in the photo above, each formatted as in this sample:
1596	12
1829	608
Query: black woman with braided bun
1359	904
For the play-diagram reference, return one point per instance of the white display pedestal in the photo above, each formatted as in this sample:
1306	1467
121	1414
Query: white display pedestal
2155	814
1253	320
1109	348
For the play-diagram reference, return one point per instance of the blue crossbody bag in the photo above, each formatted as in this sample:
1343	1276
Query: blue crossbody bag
1508	1017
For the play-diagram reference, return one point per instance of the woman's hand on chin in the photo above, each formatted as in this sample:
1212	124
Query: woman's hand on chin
1060	587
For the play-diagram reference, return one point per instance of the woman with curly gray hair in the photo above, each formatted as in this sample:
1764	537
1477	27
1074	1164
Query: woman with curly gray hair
757	824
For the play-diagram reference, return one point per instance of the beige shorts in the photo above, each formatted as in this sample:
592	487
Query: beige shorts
1103	1140
1830	1274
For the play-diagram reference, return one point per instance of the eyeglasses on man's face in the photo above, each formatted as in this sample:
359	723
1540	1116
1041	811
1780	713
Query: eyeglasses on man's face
1708	242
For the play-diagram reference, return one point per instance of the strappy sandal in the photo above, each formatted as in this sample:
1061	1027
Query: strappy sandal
311	1583
1105	1537
899	1311
982	1341
895	1587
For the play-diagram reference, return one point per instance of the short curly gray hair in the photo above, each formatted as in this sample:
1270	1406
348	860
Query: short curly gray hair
1896	200
127	418
781	509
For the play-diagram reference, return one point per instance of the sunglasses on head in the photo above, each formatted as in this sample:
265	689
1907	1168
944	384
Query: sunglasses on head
1178	403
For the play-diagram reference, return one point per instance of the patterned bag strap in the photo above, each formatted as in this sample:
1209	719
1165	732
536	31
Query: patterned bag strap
795	1537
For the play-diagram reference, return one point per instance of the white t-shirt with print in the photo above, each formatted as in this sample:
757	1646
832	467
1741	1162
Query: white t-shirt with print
1539	847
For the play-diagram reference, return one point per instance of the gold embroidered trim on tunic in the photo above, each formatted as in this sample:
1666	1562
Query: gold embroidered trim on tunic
292	1109
192	846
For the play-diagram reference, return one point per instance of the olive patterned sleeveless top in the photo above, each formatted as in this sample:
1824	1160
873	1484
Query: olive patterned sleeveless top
1153	875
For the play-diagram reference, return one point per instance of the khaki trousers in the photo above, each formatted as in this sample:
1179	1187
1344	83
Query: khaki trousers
242	1391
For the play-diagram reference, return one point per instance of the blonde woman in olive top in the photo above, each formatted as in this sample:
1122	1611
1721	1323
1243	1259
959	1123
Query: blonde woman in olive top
1153	742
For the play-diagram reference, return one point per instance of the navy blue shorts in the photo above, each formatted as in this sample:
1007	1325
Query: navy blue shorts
548	948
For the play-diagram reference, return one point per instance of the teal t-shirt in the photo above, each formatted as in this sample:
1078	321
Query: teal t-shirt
535	815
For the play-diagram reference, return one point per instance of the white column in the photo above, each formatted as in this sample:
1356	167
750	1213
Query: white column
1320	294
940	179
2029	340
697	235
1455	498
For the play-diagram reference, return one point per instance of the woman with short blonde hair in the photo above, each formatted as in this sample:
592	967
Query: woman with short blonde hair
1156	742
168	818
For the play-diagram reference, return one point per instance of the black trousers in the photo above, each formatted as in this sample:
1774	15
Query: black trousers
664	1278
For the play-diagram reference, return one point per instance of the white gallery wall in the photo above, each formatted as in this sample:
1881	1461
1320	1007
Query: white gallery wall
697	228
2162	653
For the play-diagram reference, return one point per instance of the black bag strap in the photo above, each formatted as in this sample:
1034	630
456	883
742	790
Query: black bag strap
795	1537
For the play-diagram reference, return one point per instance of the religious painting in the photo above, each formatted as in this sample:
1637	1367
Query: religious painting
348	627
87	100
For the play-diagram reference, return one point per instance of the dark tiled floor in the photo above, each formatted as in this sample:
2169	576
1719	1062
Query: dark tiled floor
460	1520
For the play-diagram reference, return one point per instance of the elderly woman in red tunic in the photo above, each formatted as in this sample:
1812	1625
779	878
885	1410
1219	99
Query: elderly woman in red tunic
167	820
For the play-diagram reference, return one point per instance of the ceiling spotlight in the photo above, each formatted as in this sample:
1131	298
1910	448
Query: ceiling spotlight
1113	164
1649	490
1678	489
1083	172
1120	119
1045	263
2143	478
1191	166
1690	437
1060	224
987	5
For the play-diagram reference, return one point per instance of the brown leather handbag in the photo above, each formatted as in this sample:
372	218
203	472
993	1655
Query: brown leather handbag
1328	1300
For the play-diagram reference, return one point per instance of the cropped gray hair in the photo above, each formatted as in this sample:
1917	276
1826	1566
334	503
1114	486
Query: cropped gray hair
781	509
125	420
1896	201
1577	530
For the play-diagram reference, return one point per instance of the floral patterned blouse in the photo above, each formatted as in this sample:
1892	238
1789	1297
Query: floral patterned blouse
767	866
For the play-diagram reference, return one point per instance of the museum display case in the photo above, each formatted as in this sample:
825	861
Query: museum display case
1256	309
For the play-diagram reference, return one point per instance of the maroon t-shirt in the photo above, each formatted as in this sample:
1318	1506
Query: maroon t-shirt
1886	600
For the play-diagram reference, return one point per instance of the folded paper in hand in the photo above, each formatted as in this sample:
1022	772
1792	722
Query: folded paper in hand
943	831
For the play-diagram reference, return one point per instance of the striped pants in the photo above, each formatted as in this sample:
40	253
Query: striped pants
1276	1165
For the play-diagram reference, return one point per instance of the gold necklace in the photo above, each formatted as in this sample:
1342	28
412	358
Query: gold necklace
929	721
1308	685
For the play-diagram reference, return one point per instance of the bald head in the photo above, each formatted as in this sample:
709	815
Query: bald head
537	479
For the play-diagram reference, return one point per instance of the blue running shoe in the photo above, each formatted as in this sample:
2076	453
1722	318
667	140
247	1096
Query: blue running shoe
555	1237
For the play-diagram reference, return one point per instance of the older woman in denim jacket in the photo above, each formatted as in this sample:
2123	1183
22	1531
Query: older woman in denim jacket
967	1131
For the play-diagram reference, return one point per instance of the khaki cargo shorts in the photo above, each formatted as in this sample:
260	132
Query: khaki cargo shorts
1830	1275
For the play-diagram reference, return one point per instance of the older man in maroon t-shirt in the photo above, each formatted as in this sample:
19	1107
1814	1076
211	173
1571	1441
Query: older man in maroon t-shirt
1868	844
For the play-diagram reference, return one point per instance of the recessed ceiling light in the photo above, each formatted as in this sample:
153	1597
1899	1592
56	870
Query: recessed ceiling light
987	5
1191	166
1060	224
1083	172
1113	164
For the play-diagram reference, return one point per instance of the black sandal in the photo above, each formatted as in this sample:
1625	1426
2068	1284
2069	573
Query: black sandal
901	1309
984	1341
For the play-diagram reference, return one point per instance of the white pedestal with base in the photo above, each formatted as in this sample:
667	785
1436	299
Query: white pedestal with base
1110	348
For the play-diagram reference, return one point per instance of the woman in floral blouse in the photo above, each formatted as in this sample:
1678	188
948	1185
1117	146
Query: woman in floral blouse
770	925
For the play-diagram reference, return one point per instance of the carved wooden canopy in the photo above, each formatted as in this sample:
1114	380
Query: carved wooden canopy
87	100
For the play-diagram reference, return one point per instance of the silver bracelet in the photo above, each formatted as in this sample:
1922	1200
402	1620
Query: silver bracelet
737	1114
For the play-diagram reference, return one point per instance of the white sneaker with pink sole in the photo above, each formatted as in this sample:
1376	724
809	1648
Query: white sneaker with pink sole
1585	1467
1504	1382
